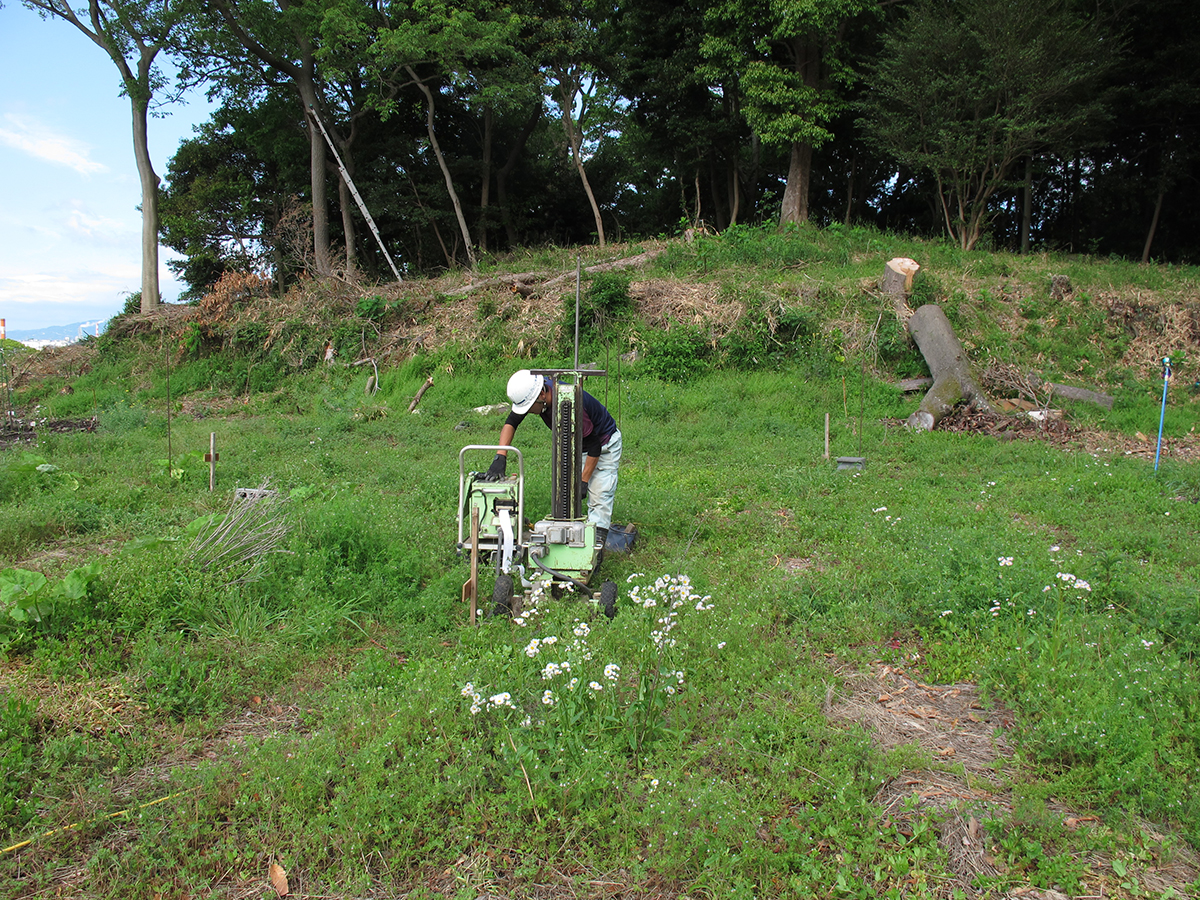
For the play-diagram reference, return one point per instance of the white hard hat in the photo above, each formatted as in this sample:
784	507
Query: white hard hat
523	390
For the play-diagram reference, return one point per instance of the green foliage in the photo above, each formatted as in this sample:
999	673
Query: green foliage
18	749
31	605
999	84
605	309
373	307
179	681
355	645
677	354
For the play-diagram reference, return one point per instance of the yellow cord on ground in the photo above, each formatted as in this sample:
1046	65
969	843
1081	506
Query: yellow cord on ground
120	812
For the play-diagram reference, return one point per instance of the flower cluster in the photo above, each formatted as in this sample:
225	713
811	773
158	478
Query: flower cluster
1078	583
562	696
493	702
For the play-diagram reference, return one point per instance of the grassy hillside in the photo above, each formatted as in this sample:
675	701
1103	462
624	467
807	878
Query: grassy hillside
965	670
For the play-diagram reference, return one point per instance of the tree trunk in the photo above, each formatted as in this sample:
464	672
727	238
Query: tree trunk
948	363
897	283
1158	203
485	177
795	195
1027	207
514	156
344	202
574	142
149	183
850	192
735	190
437	152
316	175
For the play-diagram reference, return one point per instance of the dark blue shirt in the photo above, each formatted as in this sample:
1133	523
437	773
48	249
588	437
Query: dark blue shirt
598	424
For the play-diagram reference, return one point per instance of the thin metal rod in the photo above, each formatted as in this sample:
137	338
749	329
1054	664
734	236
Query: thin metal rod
862	380
578	272
1162	415
354	191
169	453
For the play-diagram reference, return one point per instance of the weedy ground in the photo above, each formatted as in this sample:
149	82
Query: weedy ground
967	669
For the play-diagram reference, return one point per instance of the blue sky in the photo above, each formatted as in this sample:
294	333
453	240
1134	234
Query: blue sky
70	230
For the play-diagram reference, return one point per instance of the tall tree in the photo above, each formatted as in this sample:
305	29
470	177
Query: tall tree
651	50
242	46
227	189
430	45
579	94
132	33
785	55
965	89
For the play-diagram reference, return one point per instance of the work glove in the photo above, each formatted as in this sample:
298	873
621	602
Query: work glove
583	491
496	470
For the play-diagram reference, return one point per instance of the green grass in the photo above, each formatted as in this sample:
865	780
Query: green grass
703	764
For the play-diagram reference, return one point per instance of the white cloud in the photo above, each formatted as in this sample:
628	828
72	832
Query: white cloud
89	226
32	137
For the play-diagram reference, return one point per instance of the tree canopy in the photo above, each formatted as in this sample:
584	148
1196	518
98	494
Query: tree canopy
470	128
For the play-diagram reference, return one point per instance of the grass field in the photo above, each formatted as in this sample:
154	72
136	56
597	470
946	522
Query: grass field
175	727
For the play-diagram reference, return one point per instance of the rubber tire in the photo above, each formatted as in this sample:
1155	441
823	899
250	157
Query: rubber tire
608	599
502	595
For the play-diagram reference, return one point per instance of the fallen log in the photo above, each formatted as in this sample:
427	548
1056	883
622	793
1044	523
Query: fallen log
528	282
948	363
1082	395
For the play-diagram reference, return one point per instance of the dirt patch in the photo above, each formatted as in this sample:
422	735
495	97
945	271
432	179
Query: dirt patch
964	786
27	431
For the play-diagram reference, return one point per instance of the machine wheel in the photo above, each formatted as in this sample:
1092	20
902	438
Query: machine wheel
502	595
608	599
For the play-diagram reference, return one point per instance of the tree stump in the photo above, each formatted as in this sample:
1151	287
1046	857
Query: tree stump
948	363
897	283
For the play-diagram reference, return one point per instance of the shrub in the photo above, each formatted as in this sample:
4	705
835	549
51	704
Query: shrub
677	353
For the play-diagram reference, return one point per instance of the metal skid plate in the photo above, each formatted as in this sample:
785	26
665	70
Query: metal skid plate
566	546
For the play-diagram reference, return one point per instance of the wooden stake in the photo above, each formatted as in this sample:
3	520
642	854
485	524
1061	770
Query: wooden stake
211	458
827	435
470	590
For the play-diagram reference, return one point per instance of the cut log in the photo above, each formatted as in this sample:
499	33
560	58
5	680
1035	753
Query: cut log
948	363
1082	395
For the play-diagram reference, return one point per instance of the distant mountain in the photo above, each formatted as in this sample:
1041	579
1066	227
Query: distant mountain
56	334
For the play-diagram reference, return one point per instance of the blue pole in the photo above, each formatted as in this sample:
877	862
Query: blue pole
1166	377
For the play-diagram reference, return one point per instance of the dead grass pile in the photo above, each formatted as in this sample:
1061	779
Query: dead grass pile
1157	328
96	706
233	290
662	302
